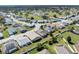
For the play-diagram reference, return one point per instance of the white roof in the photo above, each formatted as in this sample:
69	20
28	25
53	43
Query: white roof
9	46
13	37
32	35
22	40
1	35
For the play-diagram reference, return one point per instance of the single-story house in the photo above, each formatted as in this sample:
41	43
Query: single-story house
49	28
76	32
1	36
45	21
16	25
8	21
22	40
56	24
9	47
20	18
55	19
77	24
65	22
33	21
33	36
60	25
40	21
30	25
69	21
42	33
11	30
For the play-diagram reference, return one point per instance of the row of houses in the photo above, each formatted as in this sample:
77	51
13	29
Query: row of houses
12	43
61	24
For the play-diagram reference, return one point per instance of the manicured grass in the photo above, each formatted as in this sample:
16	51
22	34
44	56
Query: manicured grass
34	51
51	49
76	27
74	37
27	28
5	34
24	49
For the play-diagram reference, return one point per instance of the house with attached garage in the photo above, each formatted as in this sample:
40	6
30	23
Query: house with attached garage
33	36
42	33
8	21
9	47
11	31
22	40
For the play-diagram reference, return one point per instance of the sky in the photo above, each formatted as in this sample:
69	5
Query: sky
39	2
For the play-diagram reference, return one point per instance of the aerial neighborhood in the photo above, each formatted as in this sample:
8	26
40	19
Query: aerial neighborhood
39	30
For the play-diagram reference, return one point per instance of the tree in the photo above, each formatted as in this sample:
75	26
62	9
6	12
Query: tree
69	40
59	31
50	42
32	18
42	27
21	13
39	47
26	15
67	13
45	17
51	34
72	28
55	40
55	15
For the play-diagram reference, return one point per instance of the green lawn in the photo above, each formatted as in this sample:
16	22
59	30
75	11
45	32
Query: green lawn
50	48
74	37
34	51
30	46
5	34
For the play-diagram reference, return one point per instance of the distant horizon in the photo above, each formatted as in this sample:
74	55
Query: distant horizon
39	6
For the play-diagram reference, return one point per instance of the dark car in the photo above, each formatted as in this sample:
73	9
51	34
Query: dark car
23	31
